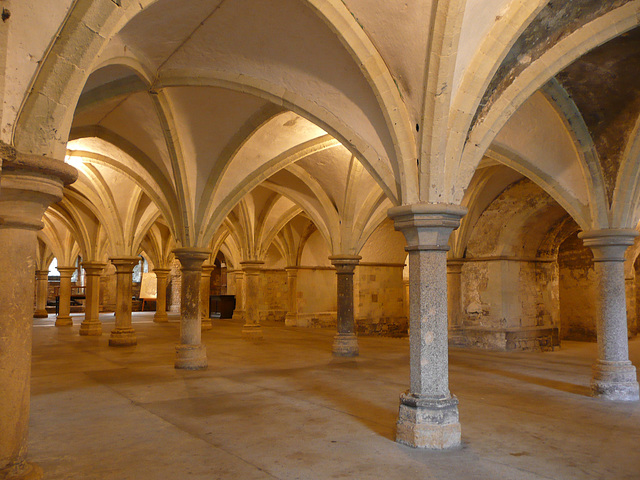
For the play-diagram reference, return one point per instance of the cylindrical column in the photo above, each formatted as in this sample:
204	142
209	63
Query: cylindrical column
190	353
42	290
91	324
291	318
64	297
251	329
28	184
428	415
205	290
345	343
161	295
238	311
614	377
124	334
454	294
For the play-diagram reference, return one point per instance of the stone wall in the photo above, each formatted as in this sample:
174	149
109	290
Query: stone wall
379	300
577	291
509	304
273	295
317	297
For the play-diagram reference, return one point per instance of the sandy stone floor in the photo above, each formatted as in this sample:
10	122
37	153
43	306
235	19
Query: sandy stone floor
284	409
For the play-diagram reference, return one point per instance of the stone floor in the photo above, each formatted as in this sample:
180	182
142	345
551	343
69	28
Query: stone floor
284	409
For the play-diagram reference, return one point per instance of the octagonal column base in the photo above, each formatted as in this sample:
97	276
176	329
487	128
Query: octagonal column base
63	321
40	314
191	357
206	324
122	337
161	317
91	328
345	345
428	423
252	332
615	381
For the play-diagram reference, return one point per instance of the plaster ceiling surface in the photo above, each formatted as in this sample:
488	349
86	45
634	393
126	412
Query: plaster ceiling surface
404	49
537	135
280	42
281	134
479	17
604	85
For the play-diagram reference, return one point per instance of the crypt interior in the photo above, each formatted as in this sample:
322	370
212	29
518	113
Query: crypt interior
319	239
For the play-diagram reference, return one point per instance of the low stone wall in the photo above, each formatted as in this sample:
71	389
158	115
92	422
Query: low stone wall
318	320
506	339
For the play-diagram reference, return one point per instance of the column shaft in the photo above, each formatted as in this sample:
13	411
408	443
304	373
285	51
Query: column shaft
28	185
124	334
91	324
345	343
64	293
428	415
238	311
42	290
161	295
190	353
252	329
291	318
614	377
454	294
205	291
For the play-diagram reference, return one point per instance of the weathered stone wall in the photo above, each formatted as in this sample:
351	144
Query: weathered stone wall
273	295
577	291
317	297
509	304
379	300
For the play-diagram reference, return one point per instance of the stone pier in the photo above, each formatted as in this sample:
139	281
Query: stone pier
161	296
614	377
428	414
238	311
91	325
345	343
123	335
64	297
42	290
28	185
205	289
251	329
191	354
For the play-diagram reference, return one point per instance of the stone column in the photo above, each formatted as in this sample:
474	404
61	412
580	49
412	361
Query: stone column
238	312
345	343
454	294
42	291
91	324
614	377
205	289
28	185
64	303
291	318
251	330
428	414
161	295
190	353
123	335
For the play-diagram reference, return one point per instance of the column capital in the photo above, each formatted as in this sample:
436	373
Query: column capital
427	226
454	266
162	272
28	185
207	270
42	273
66	271
93	268
252	266
345	263
291	271
609	244
191	258
124	264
